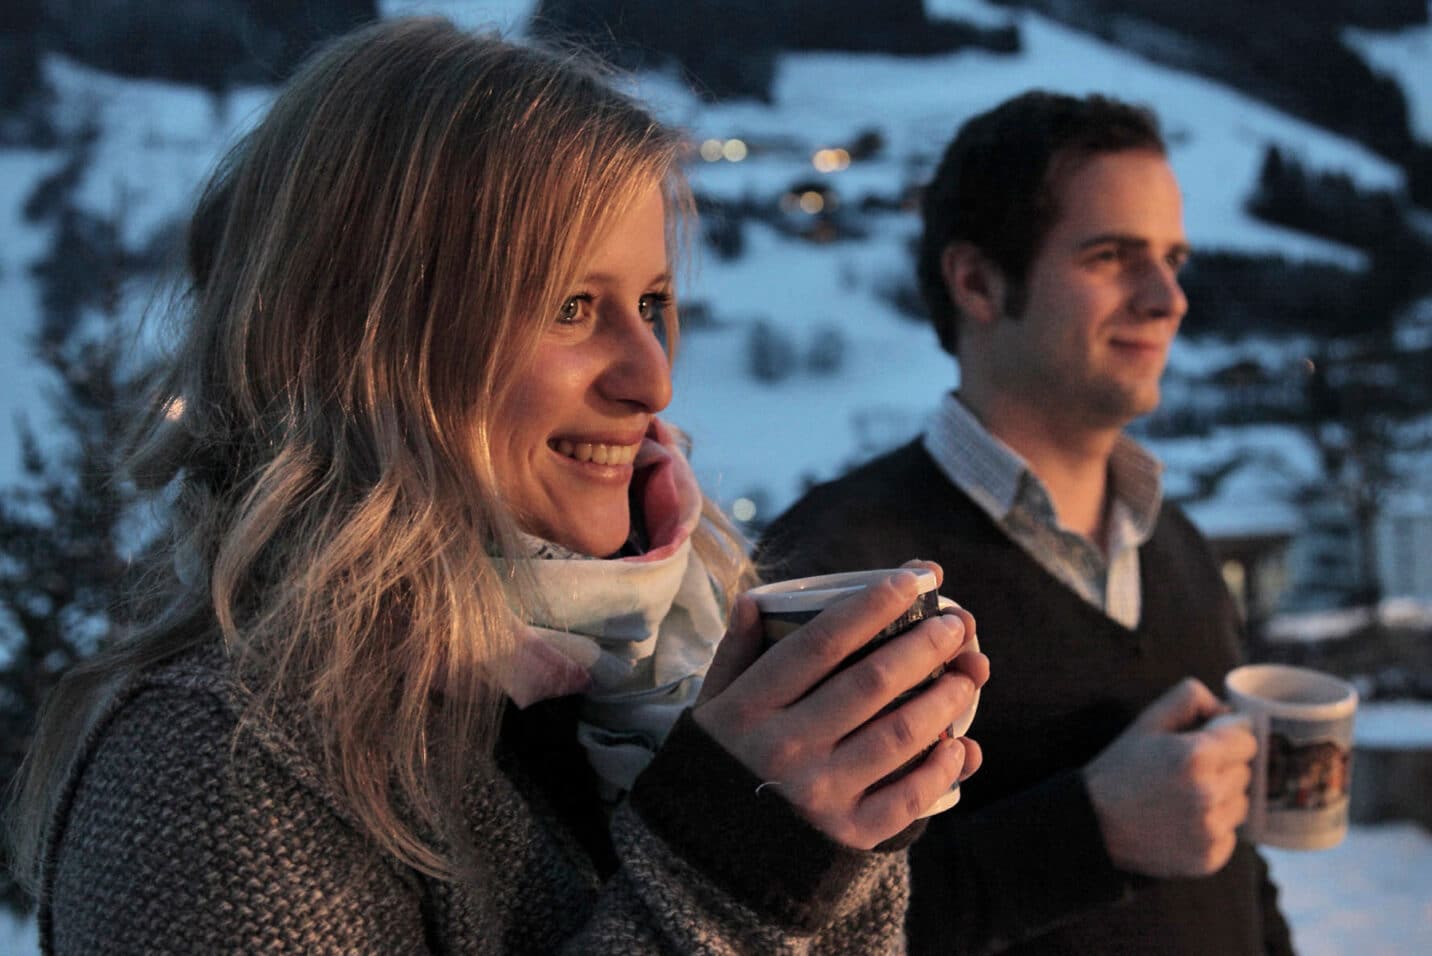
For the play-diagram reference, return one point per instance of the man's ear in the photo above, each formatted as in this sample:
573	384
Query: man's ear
975	285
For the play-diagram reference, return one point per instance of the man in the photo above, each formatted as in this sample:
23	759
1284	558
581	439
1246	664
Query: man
1103	820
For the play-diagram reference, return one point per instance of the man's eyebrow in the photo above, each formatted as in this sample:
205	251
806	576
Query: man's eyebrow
1130	241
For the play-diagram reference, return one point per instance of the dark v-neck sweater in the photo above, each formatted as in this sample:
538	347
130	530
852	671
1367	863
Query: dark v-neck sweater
1020	862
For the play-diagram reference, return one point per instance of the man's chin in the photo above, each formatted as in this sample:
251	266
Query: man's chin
1121	406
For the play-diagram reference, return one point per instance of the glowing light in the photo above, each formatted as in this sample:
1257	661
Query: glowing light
734	150
743	509
174	408
711	150
812	202
830	160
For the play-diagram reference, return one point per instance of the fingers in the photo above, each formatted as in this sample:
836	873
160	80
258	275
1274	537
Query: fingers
892	740
1231	739
921	564
740	646
974	758
864	689
885	811
807	657
1185	703
973	665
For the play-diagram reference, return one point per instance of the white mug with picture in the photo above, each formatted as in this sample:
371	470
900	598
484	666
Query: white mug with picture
1303	720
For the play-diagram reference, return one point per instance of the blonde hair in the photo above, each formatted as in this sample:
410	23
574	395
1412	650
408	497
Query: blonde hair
369	266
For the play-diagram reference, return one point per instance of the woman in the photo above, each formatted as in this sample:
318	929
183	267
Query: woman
392	703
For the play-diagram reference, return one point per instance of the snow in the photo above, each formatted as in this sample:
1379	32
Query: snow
1315	626
22	380
1371	895
765	442
1393	725
1403	55
505	16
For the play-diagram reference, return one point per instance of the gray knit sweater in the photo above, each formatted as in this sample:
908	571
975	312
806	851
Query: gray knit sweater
172	838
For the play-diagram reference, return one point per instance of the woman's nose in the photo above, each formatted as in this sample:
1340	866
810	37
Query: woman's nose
640	370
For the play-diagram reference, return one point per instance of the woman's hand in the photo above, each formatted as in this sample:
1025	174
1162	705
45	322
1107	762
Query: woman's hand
815	735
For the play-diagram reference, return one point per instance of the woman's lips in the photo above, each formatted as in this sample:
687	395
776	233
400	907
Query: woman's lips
600	453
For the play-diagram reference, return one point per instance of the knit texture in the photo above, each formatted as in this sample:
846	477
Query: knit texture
176	837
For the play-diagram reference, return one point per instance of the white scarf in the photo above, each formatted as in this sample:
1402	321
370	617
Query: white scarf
634	636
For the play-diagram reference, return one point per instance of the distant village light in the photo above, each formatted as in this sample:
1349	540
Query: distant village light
830	160
711	150
734	150
812	202
743	509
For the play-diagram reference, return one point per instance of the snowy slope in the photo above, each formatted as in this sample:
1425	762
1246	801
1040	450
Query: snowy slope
1374	894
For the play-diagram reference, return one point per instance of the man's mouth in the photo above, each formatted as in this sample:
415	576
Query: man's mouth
596	452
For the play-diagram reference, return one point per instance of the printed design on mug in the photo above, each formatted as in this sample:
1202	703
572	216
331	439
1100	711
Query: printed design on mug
1307	775
778	624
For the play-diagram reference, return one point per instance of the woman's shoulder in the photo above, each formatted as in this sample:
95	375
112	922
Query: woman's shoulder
175	818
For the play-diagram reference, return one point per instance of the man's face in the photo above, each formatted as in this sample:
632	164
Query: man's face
1102	299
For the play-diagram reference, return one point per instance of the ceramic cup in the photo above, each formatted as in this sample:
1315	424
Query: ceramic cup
1303	721
786	605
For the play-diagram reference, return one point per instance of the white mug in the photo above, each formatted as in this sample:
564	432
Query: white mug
1303	720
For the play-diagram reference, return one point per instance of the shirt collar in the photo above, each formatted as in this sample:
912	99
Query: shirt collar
994	475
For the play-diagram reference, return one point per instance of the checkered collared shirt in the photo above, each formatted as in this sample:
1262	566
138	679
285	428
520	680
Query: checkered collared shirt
1001	483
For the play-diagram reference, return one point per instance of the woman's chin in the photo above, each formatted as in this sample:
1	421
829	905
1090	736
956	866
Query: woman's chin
598	538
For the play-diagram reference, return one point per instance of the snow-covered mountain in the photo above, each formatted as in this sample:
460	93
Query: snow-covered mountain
859	375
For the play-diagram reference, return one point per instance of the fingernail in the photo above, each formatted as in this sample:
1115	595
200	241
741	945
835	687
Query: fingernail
906	582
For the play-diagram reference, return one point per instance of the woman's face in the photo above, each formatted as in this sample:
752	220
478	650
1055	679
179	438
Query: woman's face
564	441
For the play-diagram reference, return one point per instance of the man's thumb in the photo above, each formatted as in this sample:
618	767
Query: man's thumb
1184	704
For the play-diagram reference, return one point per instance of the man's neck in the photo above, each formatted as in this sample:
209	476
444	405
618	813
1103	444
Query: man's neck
1070	458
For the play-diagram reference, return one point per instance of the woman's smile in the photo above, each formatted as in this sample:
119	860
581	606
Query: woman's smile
598	453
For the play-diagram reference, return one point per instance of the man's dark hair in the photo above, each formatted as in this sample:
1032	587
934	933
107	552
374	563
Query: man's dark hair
997	185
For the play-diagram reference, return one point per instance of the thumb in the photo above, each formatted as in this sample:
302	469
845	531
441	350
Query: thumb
740	646
1184	704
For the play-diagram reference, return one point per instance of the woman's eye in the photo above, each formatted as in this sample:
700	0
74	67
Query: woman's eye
653	305
571	311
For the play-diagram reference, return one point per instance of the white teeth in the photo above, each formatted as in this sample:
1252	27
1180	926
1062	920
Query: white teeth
595	452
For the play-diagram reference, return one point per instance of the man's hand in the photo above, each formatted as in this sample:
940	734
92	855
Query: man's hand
1169	792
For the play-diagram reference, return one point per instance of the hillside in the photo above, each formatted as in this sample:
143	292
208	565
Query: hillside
862	374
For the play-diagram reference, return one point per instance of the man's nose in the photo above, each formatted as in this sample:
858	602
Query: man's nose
1160	296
